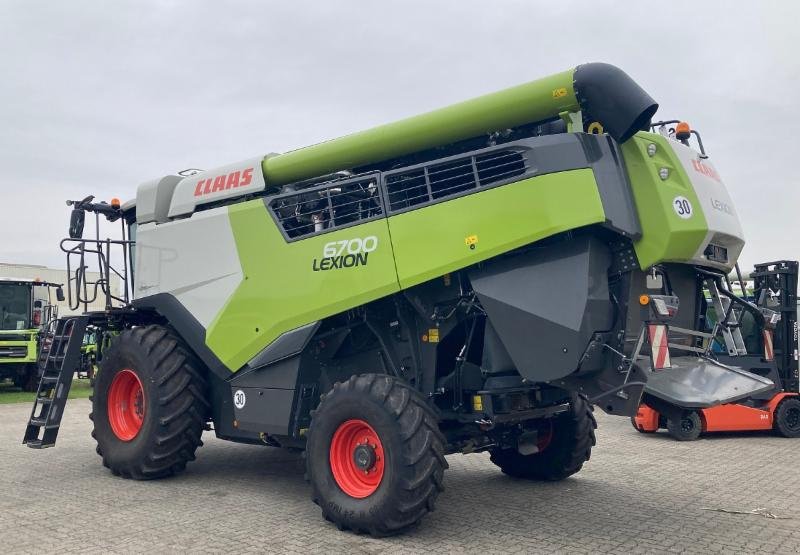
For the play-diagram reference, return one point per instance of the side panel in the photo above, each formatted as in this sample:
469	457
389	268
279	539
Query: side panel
193	259
437	239
666	236
288	285
732	418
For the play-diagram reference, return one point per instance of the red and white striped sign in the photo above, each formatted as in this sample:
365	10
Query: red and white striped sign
659	339
769	353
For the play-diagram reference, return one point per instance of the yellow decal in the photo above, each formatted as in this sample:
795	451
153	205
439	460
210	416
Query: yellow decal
477	403
471	241
595	128
560	93
433	335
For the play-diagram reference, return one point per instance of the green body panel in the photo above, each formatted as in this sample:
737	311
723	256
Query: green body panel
281	291
437	239
665	236
423	244
535	101
30	343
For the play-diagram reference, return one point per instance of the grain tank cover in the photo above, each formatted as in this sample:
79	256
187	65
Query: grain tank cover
211	186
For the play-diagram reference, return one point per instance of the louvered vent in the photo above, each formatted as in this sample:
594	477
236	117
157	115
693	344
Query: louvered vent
323	208
436	181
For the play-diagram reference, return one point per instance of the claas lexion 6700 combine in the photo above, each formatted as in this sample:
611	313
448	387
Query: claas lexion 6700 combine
468	280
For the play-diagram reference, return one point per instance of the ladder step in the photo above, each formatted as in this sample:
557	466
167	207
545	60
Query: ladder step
38	444
49	380
44	400
38	422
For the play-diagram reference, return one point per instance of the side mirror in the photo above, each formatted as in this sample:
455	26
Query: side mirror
76	220
60	295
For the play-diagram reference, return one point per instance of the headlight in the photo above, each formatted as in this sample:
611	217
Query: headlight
663	173
651	149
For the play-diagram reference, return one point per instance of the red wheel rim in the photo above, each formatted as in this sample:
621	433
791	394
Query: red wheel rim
126	406
545	436
357	458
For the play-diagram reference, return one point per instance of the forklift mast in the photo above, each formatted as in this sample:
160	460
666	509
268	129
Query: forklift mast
775	287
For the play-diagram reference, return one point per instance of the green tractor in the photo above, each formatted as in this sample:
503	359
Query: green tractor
474	279
25	310
88	366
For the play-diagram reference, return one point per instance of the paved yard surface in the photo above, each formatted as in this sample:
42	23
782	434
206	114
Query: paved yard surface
637	494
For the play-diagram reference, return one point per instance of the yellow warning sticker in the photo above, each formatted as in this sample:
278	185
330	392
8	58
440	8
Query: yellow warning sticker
560	93
471	240
477	403
433	335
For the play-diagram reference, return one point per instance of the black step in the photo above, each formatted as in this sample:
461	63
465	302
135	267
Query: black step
39	444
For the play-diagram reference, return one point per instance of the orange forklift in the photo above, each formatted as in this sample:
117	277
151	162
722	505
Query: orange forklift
756	333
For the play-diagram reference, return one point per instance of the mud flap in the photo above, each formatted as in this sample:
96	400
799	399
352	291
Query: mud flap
695	383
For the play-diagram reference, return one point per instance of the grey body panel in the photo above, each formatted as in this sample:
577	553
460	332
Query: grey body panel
266	410
699	383
270	392
287	344
153	199
281	375
546	334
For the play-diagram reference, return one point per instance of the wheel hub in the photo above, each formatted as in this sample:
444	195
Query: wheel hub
364	457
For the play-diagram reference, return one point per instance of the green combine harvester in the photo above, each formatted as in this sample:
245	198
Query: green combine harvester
25	309
473	279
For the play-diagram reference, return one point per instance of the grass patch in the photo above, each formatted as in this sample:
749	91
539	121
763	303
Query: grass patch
9	394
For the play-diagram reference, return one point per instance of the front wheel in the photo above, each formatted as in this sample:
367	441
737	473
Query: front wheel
149	405
568	445
375	455
687	428
787	417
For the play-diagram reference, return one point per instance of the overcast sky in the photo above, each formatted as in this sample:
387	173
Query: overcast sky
97	97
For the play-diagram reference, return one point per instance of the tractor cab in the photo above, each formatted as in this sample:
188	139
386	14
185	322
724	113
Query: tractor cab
26	308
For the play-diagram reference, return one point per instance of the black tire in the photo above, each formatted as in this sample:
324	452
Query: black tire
569	448
413	450
28	380
688	428
174	399
787	417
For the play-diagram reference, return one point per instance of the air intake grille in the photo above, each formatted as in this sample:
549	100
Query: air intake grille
14	352
323	208
428	183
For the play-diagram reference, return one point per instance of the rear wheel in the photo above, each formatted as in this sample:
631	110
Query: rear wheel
375	455
567	446
687	428
149	405
787	417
